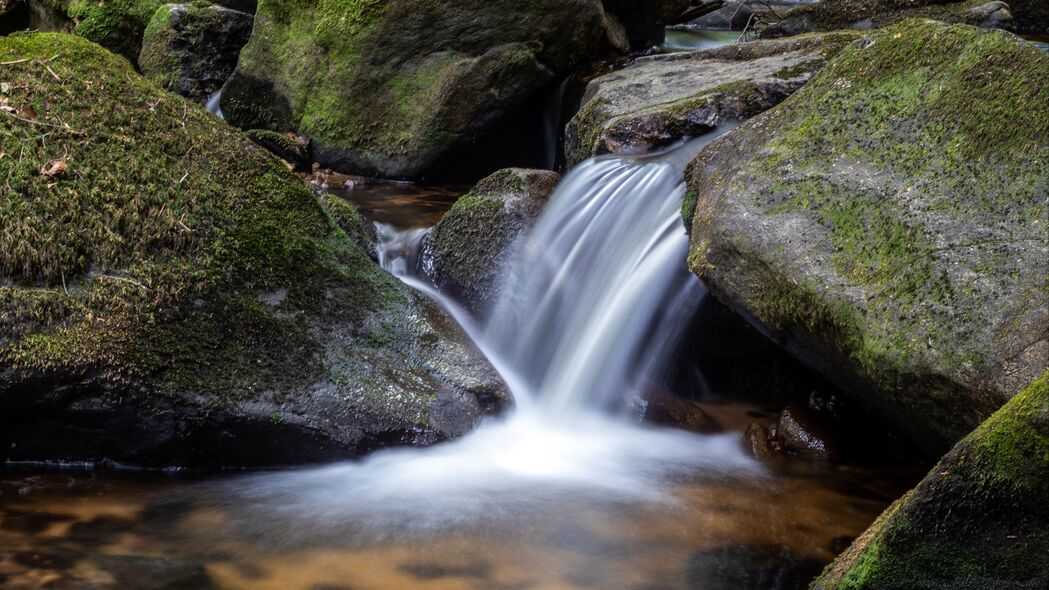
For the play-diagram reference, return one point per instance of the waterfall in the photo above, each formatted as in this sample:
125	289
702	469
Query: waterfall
214	105
594	303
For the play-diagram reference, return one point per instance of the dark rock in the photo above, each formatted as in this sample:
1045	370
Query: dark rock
668	410
1030	16
192	48
224	317
800	433
155	573
830	15
100	530
436	571
117	26
294	149
392	88
979	519
839	544
660	99
30	522
466	252
758	440
645	21
877	251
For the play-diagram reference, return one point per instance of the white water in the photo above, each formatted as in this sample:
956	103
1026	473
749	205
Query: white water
596	301
214	105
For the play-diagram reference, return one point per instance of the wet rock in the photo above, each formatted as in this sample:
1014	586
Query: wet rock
436	571
669	410
750	566
168	356
466	252
979	519
800	433
852	242
192	48
831	15
734	15
758	440
155	573
403	89
42	561
839	544
294	149
660	99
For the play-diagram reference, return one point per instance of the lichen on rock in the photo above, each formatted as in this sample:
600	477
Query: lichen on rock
830	15
887	223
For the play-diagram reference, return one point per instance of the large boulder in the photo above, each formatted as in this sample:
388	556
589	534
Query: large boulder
663	98
117	25
887	223
979	519
466	252
193	48
388	87
171	294
645	21
830	15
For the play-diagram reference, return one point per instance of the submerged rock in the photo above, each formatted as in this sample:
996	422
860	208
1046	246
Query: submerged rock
887	223
466	253
171	293
979	519
664	98
800	433
192	48
386	88
669	410
830	15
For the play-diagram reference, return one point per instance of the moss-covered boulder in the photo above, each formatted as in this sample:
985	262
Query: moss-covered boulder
888	222
466	253
193	48
117	25
170	293
830	15
387	87
663	98
978	520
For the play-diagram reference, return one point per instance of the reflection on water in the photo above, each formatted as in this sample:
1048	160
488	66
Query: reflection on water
717	521
403	205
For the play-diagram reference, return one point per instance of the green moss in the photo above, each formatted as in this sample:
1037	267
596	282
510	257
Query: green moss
146	261
832	15
467	255
117	25
978	519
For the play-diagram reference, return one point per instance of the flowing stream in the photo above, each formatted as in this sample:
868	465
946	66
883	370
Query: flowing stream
568	491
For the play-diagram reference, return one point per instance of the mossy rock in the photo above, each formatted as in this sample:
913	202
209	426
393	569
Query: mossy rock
664	98
117	25
387	88
192	48
466	253
170	293
830	15
978	520
887	223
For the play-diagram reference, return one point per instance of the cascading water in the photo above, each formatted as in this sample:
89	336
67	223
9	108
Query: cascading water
595	301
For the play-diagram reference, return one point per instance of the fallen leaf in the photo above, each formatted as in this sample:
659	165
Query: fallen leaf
5	87
55	168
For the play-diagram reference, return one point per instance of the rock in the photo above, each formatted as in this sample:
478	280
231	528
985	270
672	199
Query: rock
669	410
734	15
660	99
800	433
645	21
887	223
155	573
403	89
831	15
192	48
758	440
1030	16
294	149
179	297
42	561
116	25
466	252
978	520
732	567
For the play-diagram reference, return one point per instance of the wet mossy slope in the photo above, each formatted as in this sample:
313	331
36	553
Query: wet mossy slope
888	223
978	520
162	273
